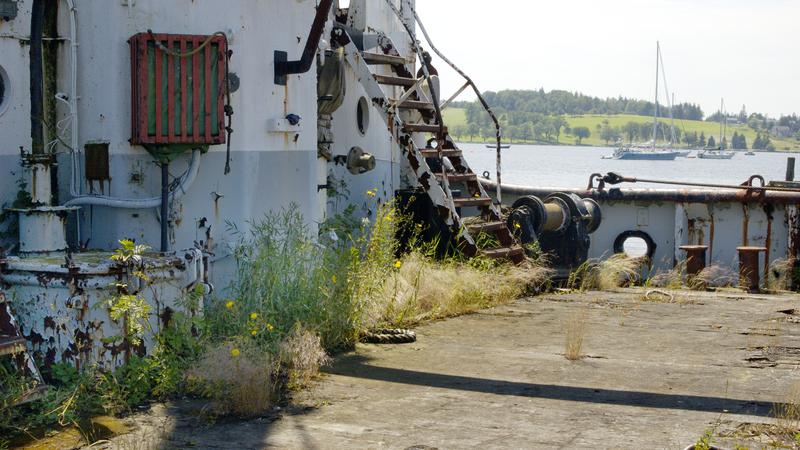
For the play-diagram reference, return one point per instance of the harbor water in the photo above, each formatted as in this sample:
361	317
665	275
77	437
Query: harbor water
570	166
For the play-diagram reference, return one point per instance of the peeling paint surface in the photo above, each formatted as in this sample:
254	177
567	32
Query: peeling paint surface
62	303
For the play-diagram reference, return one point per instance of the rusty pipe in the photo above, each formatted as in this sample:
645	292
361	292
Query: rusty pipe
37	77
615	178
303	65
655	195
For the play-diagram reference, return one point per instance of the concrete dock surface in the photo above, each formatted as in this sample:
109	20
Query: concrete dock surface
656	371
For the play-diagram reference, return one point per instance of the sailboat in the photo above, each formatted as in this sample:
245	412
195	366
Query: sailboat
650	151
718	153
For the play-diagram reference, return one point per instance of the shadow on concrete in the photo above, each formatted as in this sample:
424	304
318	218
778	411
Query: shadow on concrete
356	366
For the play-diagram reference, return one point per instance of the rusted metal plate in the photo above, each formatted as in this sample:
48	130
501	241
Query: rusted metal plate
61	304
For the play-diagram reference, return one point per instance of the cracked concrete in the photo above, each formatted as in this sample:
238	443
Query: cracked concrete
654	375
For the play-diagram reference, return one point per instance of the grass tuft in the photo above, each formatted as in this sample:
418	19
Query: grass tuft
575	331
781	272
238	381
715	276
301	353
608	274
787	413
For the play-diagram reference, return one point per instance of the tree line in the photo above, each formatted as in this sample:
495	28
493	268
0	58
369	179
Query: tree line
538	116
558	102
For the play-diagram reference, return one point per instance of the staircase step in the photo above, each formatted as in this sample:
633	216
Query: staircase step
395	81
414	104
486	227
422	128
11	345
433	153
504	252
472	201
458	176
380	58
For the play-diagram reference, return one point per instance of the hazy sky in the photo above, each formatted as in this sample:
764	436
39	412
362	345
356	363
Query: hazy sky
747	51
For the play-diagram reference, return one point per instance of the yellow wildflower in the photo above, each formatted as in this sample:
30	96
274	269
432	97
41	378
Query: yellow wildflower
254	332
235	352
372	193
253	316
333	279
229	304
398	264
270	327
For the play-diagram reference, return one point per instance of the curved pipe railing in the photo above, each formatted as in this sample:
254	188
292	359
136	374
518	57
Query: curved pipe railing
303	65
471	84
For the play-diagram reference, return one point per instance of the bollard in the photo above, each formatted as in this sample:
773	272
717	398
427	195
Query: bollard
790	168
748	267
695	259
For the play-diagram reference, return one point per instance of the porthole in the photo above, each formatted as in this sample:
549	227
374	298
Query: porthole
635	244
362	115
5	90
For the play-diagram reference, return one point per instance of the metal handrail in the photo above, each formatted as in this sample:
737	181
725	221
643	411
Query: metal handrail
467	79
434	95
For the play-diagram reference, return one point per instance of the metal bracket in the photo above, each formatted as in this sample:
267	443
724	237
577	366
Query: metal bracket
281	58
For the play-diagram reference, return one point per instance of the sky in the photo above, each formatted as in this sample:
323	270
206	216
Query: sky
745	51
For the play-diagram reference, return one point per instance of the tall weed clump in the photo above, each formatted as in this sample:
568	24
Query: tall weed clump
287	276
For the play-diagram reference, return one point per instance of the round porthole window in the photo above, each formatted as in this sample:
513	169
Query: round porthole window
635	244
362	115
5	90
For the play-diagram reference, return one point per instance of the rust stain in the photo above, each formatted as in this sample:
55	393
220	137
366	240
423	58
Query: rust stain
745	224
711	235
768	210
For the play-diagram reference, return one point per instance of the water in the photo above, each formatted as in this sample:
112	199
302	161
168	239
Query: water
570	167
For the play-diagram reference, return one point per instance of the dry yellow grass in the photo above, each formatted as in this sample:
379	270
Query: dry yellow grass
608	274
780	275
787	414
575	332
238	381
715	276
422	289
302	355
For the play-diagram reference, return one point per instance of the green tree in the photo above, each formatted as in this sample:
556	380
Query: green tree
581	133
609	133
558	123
645	131
690	139
631	130
711	142
702	140
459	130
472	130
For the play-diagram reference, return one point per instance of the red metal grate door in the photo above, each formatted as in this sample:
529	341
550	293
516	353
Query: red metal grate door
178	94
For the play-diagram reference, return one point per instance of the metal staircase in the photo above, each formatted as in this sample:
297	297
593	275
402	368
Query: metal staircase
14	345
439	165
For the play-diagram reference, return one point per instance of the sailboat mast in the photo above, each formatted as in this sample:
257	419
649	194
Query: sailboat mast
672	121
725	118
721	104
655	113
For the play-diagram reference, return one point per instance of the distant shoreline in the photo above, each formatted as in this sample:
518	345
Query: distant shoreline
565	144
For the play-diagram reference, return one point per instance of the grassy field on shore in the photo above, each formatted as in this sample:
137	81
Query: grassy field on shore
456	116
